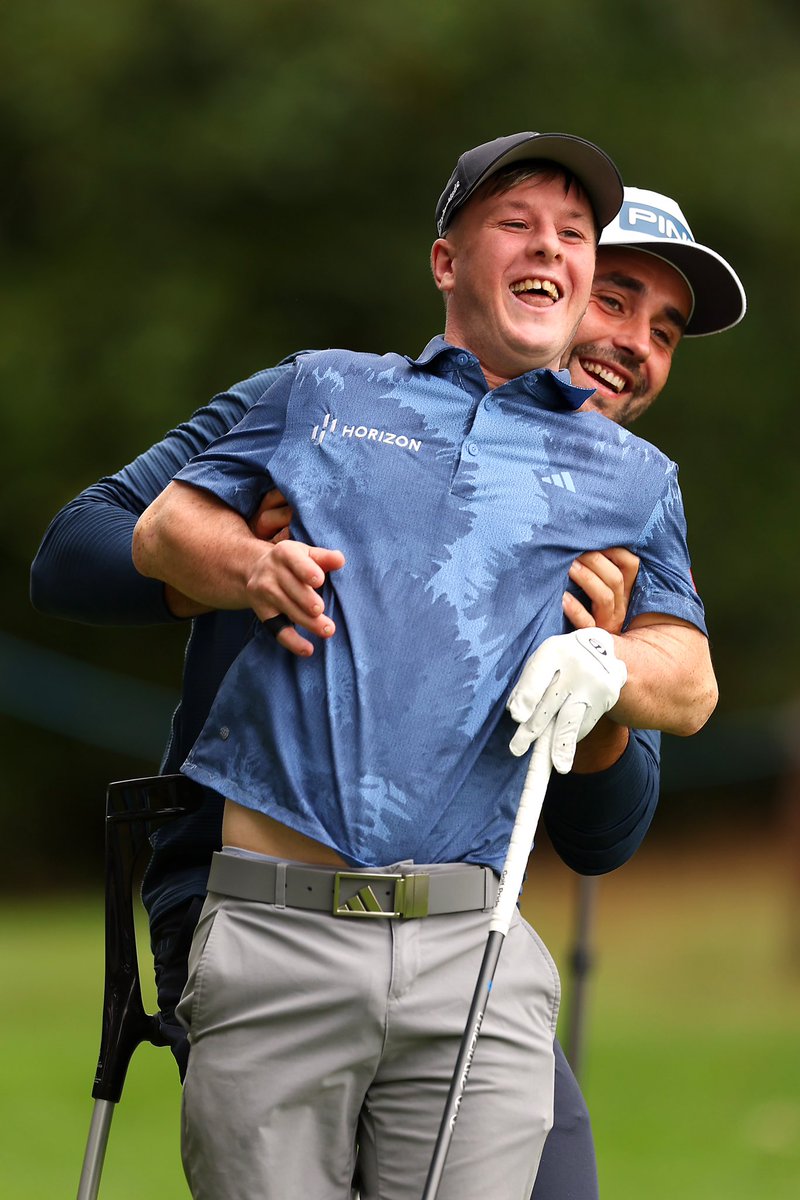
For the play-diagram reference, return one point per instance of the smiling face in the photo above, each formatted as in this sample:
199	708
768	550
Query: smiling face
516	270
624	345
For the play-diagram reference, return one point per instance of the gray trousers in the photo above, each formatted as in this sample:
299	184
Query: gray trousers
323	1048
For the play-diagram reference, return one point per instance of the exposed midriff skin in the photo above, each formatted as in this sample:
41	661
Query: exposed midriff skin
250	830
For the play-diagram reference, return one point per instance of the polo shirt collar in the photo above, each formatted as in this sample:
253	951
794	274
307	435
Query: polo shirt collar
556	384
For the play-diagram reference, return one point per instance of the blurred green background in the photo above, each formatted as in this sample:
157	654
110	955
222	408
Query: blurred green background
191	190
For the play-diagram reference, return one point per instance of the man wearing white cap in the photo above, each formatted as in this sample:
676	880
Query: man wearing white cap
649	269
91	520
653	286
102	508
444	477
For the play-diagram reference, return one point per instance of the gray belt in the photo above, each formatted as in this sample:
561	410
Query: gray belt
354	893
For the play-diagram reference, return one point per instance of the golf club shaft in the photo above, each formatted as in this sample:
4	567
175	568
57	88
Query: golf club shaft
511	879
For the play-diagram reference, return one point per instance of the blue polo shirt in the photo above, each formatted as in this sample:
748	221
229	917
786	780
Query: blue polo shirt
459	510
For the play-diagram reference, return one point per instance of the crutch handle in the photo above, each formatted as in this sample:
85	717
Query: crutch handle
134	808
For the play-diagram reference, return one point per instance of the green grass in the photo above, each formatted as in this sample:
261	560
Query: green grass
49	1041
692	1067
692	1062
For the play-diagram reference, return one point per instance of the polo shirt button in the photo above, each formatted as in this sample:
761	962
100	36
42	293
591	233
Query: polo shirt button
224	733
472	448
462	360
488	403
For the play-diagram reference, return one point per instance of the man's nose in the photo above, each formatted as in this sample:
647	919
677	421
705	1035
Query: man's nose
634	337
544	243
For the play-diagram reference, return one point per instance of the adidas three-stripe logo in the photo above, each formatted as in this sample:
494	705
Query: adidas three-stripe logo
364	900
561	479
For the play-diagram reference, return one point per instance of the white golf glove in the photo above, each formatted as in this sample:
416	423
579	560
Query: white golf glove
574	677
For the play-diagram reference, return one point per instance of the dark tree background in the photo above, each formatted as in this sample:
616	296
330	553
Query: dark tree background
193	189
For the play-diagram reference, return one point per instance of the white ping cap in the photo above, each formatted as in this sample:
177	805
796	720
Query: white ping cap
654	224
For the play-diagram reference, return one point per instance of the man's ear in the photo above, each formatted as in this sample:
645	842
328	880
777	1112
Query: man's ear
443	264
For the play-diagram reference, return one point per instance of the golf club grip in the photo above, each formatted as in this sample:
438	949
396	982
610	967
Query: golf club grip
519	847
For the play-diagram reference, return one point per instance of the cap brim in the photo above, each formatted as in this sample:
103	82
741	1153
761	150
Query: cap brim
719	297
595	171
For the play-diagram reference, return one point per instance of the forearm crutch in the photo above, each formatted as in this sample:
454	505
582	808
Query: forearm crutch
134	808
511	879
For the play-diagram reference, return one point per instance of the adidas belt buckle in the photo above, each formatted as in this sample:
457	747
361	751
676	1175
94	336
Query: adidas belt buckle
410	895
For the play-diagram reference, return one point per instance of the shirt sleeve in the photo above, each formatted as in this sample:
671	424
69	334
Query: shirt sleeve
596	822
235	468
664	583
83	569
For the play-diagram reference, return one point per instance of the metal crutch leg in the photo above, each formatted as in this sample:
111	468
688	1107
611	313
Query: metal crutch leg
581	962
134	808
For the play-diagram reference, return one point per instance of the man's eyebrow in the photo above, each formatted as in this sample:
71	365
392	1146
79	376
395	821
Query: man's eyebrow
632	284
579	214
629	282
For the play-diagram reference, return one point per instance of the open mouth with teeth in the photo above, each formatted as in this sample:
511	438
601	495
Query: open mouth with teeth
604	374
537	287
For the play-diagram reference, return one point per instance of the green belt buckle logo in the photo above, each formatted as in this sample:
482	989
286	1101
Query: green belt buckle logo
410	895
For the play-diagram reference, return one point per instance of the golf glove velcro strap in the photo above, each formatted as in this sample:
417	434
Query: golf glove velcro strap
574	677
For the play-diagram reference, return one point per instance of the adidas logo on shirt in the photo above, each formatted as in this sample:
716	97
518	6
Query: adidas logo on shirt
561	479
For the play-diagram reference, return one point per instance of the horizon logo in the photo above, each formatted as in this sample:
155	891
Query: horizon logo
639	218
319	431
368	433
561	479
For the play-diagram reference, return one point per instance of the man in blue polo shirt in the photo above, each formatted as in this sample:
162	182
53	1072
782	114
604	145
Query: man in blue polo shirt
83	572
484	476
